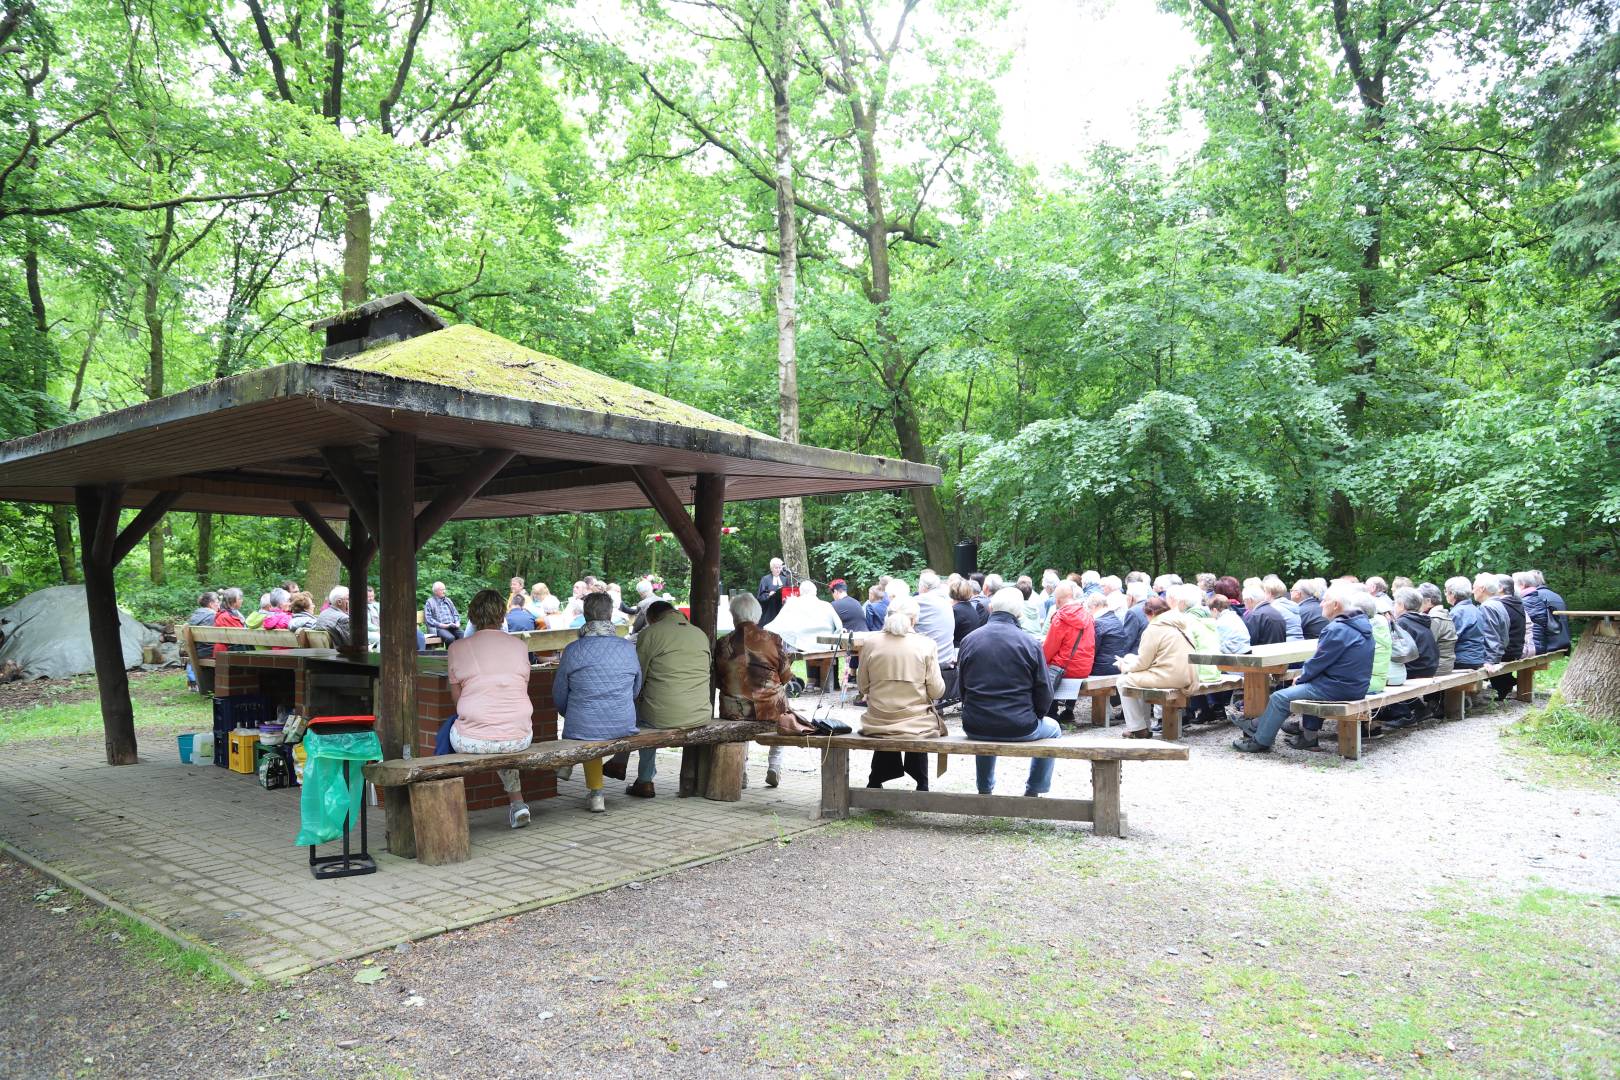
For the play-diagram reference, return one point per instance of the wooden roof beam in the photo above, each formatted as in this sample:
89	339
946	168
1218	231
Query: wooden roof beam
655	485
435	514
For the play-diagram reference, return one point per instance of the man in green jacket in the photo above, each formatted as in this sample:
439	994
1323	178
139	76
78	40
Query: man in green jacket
675	690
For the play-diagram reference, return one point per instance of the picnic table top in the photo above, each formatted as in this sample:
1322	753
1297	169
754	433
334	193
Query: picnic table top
1277	655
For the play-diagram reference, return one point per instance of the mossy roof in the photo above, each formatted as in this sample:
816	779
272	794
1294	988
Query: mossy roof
466	357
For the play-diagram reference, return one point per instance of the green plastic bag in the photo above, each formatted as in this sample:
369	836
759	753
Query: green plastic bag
326	800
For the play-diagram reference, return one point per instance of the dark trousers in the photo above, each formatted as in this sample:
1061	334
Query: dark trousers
1504	685
891	765
447	634
951	687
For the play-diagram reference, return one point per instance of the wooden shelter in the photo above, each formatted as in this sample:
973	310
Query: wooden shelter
412	425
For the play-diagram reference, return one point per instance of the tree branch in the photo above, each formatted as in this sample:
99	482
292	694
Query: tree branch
269	45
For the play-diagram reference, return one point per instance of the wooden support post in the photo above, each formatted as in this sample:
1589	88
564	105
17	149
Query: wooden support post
437	513
1454	702
396	543
439	813
835	784
96	522
1171	720
1256	692
340	463
357	566
714	773
1099	707
1105	813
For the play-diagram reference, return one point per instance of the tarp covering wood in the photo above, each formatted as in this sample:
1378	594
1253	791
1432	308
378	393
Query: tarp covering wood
48	634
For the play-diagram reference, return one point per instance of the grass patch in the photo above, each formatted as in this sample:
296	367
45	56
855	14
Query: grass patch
1560	728
1476	985
162	704
150	947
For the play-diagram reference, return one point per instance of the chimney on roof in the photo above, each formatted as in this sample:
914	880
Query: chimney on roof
382	321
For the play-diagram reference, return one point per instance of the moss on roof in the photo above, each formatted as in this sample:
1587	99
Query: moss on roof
469	358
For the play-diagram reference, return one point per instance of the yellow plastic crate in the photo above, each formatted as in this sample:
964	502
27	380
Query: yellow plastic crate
240	757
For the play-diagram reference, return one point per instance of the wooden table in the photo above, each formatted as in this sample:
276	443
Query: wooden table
1258	666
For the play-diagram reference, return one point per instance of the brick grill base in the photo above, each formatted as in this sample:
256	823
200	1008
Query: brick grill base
282	679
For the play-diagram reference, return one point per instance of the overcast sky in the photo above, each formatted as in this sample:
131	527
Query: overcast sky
1083	71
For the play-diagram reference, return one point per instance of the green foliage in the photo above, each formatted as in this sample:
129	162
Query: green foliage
868	537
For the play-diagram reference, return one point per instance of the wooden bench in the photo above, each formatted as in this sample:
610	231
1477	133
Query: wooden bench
1172	702
1352	720
188	637
435	831
1102	809
1096	688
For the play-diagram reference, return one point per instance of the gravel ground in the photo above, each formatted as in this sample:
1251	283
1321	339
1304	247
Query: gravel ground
920	945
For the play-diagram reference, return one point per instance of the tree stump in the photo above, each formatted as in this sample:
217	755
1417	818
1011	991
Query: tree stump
1592	679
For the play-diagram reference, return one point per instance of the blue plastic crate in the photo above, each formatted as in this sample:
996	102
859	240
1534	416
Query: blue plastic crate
240	710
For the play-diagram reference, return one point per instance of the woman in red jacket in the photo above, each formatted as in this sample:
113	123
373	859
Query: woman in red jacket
1071	640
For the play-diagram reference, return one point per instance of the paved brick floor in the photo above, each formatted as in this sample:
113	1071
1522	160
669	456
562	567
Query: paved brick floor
209	853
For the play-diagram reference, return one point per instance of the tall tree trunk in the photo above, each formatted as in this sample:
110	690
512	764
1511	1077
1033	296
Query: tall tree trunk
151	294
1592	679
356	248
205	547
324	567
903	414
791	512
61	515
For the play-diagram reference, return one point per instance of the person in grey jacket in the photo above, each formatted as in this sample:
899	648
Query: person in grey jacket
1493	616
1440	624
439	615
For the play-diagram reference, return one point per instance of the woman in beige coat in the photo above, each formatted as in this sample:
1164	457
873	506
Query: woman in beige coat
900	679
1161	663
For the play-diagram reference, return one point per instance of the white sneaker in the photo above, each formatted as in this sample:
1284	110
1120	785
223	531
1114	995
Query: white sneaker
597	803
518	816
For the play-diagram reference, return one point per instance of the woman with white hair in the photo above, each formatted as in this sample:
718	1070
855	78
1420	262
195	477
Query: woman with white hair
752	670
900	679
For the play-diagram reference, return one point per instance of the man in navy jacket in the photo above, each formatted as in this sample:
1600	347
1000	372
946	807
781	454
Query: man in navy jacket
1002	676
1341	670
1541	605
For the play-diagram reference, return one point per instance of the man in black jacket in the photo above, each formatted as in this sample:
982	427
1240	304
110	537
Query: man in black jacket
1002	678
1307	596
1541	607
1513	649
1266	624
1110	635
1409	616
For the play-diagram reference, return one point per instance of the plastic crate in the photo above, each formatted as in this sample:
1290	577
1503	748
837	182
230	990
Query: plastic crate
241	752
230	713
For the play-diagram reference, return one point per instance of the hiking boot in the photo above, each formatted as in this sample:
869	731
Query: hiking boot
772	778
1244	724
1142	733
641	789
1247	745
1292	727
613	767
597	803
1305	740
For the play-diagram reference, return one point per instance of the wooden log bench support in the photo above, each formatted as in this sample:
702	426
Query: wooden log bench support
445	804
1097	689
1353	719
1102	809
1172	702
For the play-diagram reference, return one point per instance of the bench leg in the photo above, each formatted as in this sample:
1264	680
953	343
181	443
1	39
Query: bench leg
439	810
835	785
1256	693
1527	685
1349	731
694	771
1454	702
1099	707
726	765
399	825
1172	723
1105	816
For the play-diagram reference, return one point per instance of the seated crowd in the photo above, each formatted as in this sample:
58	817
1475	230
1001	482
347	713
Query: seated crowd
999	650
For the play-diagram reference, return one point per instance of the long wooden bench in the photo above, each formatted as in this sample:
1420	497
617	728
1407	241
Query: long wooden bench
436	831
189	637
1352	720
1095	688
1172	702
838	797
